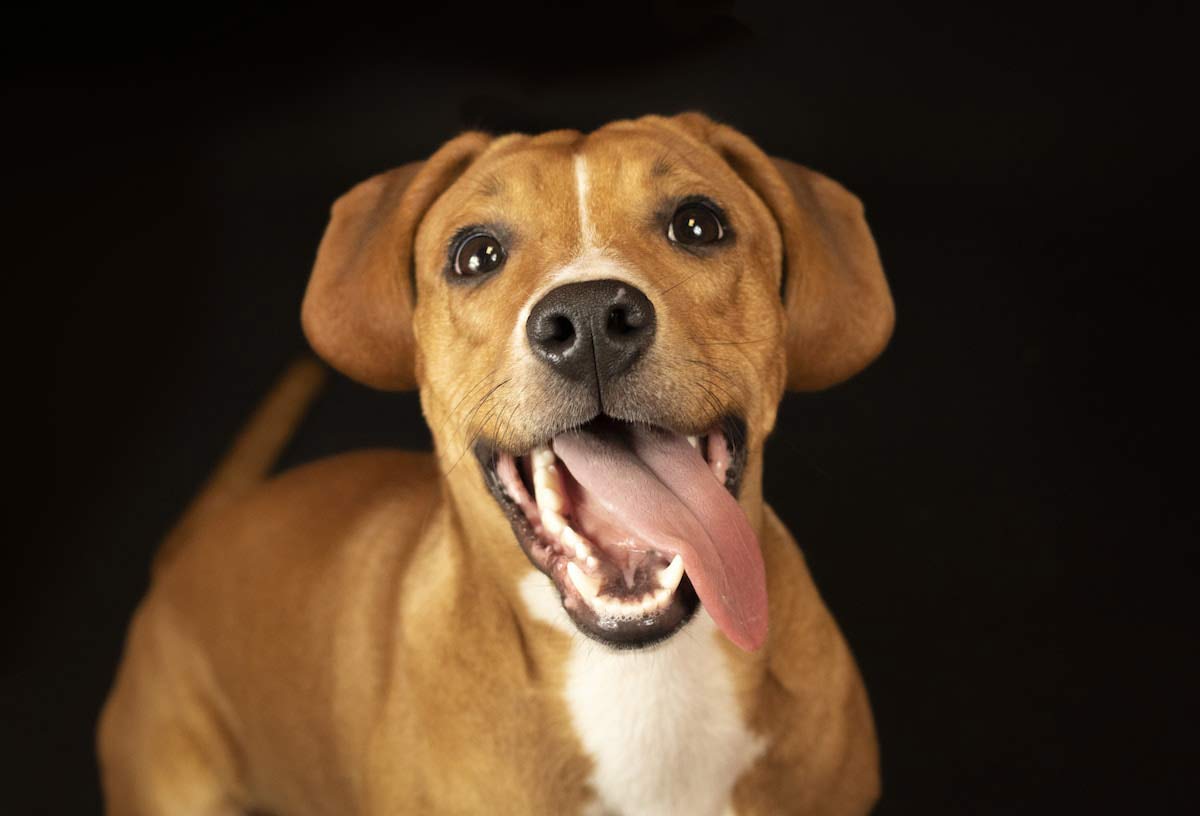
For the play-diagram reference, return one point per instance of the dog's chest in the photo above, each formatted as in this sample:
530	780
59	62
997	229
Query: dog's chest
662	726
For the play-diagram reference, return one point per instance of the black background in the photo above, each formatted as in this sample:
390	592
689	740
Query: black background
986	509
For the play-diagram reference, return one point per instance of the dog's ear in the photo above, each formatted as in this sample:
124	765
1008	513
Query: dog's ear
358	308
839	309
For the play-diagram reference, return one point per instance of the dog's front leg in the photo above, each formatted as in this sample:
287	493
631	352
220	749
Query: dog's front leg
162	751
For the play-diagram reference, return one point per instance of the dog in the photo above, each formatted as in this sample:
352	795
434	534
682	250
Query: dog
580	602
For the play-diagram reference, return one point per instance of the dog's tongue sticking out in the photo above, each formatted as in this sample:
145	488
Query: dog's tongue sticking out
663	491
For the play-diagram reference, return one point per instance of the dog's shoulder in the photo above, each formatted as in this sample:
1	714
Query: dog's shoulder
313	518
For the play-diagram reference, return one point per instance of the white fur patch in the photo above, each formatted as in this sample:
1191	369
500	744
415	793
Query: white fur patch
662	725
587	230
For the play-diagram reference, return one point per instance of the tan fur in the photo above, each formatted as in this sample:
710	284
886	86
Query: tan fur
349	638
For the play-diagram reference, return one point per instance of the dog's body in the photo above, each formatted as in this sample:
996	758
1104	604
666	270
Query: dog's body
362	635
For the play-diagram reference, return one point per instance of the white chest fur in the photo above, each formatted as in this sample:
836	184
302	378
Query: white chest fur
662	725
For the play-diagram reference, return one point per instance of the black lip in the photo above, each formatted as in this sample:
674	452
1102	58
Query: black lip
621	635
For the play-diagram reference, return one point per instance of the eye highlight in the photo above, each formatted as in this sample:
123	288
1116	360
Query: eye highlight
695	223
477	254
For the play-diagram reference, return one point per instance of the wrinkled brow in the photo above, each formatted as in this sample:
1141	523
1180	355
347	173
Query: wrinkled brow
490	185
663	166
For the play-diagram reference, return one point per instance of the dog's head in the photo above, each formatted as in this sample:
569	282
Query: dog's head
606	323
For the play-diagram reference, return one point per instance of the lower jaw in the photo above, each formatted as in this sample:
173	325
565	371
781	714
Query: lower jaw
621	629
640	632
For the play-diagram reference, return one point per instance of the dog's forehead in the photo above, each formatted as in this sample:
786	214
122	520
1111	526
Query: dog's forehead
561	194
621	161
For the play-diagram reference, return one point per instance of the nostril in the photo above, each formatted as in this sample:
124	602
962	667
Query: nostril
623	320
561	329
555	333
617	321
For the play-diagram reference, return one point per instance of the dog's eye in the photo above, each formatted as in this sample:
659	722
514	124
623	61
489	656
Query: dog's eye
695	224
478	254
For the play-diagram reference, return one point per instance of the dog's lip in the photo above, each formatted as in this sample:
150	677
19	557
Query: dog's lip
552	561
732	425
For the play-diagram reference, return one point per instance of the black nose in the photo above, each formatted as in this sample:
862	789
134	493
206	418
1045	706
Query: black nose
593	329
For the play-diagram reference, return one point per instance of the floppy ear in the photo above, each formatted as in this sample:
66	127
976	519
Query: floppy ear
839	310
358	308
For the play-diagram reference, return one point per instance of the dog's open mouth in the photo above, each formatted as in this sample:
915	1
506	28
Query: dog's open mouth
637	525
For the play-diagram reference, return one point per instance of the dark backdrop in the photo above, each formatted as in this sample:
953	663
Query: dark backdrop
984	509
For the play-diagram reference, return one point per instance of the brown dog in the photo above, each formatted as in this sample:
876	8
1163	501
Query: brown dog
580	603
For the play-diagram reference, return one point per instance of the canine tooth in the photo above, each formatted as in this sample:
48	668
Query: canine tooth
671	575
694	441
588	587
661	596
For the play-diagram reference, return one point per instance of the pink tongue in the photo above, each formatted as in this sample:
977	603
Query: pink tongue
663	491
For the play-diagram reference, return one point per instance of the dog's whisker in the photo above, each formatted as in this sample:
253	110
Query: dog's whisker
470	443
467	393
505	428
482	400
504	436
677	284
721	375
450	415
712	400
473	436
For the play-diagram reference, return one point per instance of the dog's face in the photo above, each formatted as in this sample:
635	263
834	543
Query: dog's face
605	324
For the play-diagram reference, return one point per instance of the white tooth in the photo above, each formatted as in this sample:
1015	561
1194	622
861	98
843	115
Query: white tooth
669	578
617	608
574	541
542	456
592	562
553	522
548	499
510	494
694	441
588	587
605	607
661	596
546	484
649	605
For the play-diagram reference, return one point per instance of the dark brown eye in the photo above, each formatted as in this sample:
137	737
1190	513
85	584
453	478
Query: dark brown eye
478	254
695	224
